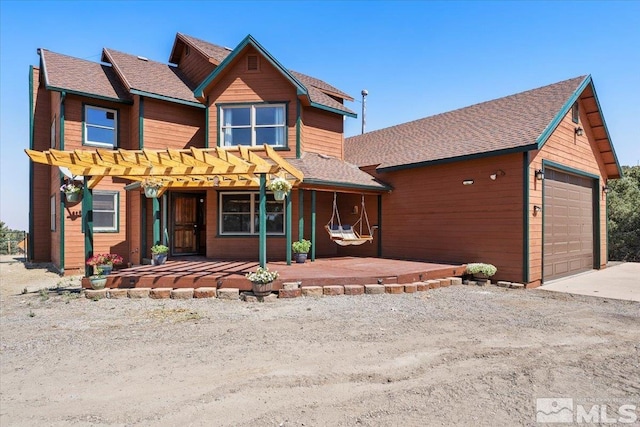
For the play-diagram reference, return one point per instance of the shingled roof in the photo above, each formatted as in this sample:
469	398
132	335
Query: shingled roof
512	122
323	170
74	75
151	77
320	92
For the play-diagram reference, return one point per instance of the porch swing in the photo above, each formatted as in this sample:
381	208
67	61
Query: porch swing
346	235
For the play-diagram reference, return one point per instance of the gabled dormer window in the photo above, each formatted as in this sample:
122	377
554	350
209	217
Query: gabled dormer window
100	126
253	125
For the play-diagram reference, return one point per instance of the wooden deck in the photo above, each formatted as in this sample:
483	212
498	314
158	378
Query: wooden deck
194	272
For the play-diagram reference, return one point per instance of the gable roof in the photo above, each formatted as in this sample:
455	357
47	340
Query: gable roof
215	53
316	91
81	77
150	78
519	122
326	171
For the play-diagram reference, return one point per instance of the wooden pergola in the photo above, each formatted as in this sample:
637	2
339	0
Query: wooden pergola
230	168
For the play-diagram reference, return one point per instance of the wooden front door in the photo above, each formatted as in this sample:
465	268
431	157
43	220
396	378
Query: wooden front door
188	224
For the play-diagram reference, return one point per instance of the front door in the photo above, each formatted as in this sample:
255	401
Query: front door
188	223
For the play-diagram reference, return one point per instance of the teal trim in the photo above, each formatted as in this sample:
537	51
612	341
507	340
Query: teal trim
379	225
606	220
546	133
87	225
167	98
63	96
262	244
298	129
165	216
543	225
563	168
606	130
156	221
459	158
525	217
206	124
88	95
31	168
140	123
288	230
300	214
248	41
596	225
334	110
313	225
333	184
143	227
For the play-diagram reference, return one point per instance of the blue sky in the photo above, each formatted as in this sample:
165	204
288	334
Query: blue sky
416	59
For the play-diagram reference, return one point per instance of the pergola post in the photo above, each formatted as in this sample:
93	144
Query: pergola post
87	223
288	230
262	243
313	225
156	221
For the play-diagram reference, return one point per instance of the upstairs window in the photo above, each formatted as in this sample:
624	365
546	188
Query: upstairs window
100	126
253	125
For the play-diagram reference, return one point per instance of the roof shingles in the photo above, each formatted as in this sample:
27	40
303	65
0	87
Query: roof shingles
505	123
322	169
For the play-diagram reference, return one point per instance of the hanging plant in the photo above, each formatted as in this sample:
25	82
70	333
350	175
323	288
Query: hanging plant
152	187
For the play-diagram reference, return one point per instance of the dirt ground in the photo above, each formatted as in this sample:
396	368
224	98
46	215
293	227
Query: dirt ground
451	356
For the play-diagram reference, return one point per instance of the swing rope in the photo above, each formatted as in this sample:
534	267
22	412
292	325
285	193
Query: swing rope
347	235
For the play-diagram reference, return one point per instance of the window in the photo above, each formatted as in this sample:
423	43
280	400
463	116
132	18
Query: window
575	112
53	132
253	125
52	207
100	126
240	214
105	211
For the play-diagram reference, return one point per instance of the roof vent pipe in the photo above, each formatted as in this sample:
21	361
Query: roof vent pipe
364	108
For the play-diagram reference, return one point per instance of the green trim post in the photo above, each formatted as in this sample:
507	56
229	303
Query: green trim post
596	224
31	167
165	220
140	123
525	217
206	124
156	221
313	225
262	243
63	95
288	230
379	226
298	128
300	213
87	225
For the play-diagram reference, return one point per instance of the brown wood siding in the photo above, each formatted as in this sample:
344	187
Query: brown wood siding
195	65
170	125
54	178
432	216
133	142
241	86
577	152
41	182
323	132
111	242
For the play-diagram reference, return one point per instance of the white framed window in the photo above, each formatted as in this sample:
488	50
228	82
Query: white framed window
253	125
100	126
105	211
240	214
52	206
53	132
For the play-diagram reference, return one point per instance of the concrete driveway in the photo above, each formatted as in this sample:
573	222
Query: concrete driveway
617	281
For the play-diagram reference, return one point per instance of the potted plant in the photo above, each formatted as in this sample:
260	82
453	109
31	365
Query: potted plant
151	187
104	262
300	250
280	188
481	271
262	281
159	254
72	191
98	280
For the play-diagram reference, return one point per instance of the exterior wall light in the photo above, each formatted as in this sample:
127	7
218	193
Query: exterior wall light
579	131
496	174
605	189
539	174
467	182
536	209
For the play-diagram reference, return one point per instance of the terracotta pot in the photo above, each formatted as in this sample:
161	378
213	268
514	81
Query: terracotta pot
261	289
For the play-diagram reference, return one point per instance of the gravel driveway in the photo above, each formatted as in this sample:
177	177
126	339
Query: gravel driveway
458	355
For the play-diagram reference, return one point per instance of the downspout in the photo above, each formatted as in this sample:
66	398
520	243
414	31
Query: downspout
206	124
525	218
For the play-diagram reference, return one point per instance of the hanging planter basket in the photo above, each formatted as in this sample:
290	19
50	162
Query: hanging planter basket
279	195
151	192
73	197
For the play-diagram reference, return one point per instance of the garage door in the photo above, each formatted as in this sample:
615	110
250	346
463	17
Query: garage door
568	224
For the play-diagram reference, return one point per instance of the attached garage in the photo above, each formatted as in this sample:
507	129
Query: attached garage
569	218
